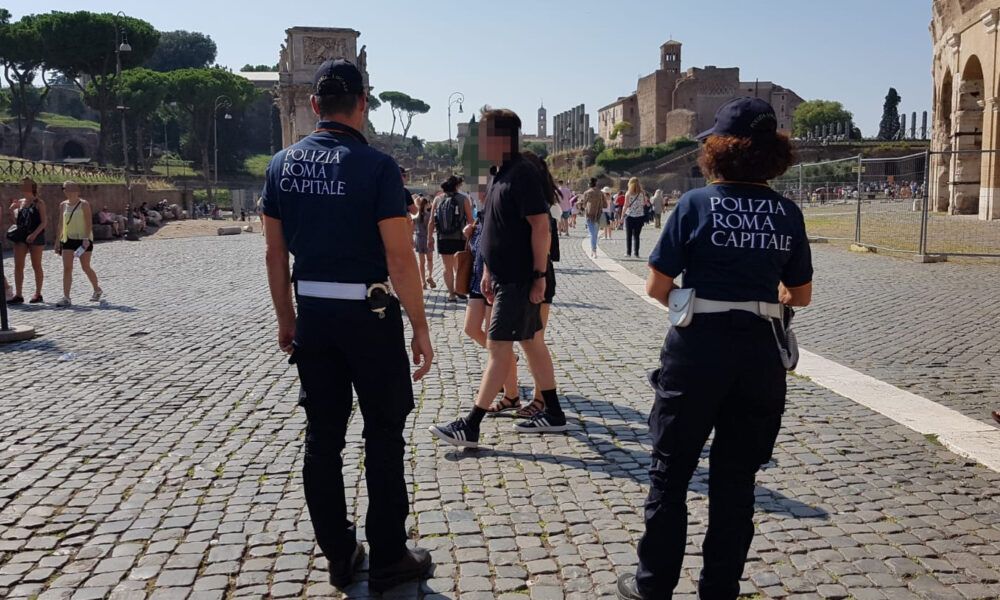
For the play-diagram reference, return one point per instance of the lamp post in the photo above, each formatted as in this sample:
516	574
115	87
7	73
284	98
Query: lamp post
220	102
122	45
455	98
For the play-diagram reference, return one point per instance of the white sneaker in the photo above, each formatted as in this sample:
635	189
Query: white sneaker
64	302
96	297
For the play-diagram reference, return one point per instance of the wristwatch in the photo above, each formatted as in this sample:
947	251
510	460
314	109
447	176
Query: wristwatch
538	274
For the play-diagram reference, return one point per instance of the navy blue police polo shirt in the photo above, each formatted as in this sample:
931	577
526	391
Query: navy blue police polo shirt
735	242
330	190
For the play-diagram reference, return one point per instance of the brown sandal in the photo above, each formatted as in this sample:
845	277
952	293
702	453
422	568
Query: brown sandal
503	405
537	405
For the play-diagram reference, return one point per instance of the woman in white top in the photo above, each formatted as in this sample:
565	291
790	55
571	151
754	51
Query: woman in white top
636	202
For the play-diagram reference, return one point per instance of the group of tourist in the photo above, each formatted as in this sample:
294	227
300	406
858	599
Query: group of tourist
26	224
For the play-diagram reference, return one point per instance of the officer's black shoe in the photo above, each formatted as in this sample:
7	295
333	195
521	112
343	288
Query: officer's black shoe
342	571
627	589
457	433
414	565
543	422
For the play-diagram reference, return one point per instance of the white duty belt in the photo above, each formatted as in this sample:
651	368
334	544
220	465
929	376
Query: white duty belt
762	309
337	291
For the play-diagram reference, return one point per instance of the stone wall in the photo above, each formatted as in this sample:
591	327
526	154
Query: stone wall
114	197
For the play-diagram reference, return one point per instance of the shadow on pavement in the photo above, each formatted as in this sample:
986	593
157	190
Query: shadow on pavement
616	455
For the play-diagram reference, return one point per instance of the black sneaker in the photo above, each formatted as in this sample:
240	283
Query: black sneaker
342	571
543	422
415	564
627	589
457	433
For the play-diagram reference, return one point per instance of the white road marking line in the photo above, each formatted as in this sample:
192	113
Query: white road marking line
962	435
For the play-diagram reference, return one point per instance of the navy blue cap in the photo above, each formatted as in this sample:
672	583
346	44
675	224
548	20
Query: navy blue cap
743	117
335	77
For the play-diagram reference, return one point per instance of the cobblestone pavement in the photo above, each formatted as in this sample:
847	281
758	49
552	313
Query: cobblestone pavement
930	329
151	448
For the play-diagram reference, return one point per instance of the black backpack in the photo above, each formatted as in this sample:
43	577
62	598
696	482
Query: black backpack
450	216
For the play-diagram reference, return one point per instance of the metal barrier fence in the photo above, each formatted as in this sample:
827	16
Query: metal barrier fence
14	169
885	203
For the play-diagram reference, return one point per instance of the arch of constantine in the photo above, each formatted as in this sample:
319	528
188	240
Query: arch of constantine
304	50
966	175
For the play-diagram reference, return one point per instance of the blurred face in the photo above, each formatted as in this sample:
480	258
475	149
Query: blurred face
494	146
71	190
27	188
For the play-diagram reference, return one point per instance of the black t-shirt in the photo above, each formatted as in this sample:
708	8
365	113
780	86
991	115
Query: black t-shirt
408	197
515	194
735	242
330	191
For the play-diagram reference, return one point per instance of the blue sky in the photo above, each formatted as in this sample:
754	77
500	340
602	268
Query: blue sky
518	52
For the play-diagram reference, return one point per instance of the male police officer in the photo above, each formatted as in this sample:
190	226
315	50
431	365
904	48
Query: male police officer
337	206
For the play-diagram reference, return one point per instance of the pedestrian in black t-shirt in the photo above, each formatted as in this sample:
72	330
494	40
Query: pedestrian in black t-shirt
516	244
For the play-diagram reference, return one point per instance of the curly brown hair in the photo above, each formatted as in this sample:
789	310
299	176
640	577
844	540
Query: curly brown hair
746	159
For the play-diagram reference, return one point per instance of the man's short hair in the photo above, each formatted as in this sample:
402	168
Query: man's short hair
593	182
502	122
337	104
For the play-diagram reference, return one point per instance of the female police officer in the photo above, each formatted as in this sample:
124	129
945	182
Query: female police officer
743	252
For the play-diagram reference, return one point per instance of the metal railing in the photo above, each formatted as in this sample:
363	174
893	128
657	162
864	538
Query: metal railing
885	203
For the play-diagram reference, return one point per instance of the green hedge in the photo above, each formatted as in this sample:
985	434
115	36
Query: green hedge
621	159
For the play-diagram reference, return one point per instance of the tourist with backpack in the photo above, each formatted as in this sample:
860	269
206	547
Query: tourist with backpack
28	237
452	212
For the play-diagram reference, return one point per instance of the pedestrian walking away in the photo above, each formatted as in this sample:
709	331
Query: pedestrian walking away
516	246
451	213
422	244
76	240
29	215
346	223
634	212
723	364
657	202
593	206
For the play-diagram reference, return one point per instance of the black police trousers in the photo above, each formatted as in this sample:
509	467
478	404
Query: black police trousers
340	345
721	372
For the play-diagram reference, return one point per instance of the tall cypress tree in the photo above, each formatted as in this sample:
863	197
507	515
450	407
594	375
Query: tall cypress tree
888	129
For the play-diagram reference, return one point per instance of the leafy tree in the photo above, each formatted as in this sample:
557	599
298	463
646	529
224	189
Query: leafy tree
182	50
83	45
417	143
196	92
814	113
619	128
411	109
441	150
888	128
404	107
373	103
539	148
23	57
248	68
598	146
395	100
143	91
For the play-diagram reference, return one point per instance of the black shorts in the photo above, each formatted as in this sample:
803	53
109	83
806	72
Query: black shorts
74	244
550	285
448	247
476	296
515	317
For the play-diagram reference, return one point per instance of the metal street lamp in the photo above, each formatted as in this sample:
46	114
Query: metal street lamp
455	98
226	103
122	45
